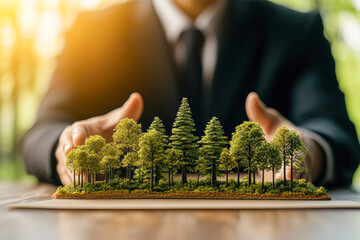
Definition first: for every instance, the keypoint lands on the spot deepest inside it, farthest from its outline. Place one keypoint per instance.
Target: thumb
(132, 108)
(257, 111)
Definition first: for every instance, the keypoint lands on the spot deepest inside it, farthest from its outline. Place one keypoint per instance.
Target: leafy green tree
(151, 151)
(126, 137)
(281, 139)
(247, 137)
(182, 138)
(226, 163)
(172, 161)
(274, 160)
(297, 152)
(267, 157)
(94, 146)
(113, 155)
(212, 144)
(79, 157)
(200, 168)
(130, 161)
(105, 164)
(158, 125)
(71, 163)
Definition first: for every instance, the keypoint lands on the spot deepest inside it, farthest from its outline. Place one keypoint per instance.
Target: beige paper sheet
(160, 204)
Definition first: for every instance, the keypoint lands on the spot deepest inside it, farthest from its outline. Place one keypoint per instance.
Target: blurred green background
(31, 36)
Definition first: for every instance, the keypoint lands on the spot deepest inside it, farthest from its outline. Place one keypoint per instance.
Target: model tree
(247, 137)
(94, 146)
(182, 138)
(79, 157)
(71, 161)
(200, 168)
(172, 161)
(126, 137)
(281, 139)
(297, 152)
(113, 156)
(152, 151)
(212, 144)
(274, 160)
(267, 157)
(158, 125)
(226, 163)
(130, 161)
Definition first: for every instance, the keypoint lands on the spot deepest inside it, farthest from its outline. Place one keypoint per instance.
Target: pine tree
(183, 139)
(226, 163)
(212, 144)
(247, 137)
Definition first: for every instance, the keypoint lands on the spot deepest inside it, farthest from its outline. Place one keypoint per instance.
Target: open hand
(75, 134)
(270, 120)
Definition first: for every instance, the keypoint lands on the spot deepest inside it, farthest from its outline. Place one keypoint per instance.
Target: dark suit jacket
(278, 53)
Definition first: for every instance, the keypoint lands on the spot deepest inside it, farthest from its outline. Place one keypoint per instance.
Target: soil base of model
(187, 195)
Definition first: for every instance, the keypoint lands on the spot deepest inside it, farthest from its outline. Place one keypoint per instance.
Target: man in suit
(218, 53)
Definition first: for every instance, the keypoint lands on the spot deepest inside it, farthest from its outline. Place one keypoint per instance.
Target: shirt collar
(175, 21)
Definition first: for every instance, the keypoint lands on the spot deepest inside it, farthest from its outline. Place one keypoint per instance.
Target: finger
(132, 108)
(66, 142)
(257, 111)
(78, 134)
(64, 177)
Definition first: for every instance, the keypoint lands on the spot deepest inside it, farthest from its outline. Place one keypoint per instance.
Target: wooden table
(169, 225)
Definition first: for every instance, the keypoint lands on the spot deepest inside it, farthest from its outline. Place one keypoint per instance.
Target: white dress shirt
(174, 21)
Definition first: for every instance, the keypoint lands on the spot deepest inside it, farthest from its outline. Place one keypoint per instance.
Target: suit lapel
(238, 52)
(160, 86)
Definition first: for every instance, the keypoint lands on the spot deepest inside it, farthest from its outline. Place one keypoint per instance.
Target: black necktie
(191, 73)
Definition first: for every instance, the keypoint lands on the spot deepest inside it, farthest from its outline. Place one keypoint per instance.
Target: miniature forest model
(144, 165)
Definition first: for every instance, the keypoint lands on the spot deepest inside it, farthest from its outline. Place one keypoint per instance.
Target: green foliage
(126, 135)
(212, 143)
(247, 138)
(182, 138)
(226, 161)
(152, 151)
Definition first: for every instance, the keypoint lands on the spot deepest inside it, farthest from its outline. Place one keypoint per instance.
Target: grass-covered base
(118, 189)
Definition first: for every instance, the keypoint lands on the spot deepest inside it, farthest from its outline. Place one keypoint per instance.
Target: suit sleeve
(318, 105)
(57, 109)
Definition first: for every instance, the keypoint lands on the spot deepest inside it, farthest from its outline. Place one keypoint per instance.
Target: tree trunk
(198, 178)
(74, 178)
(169, 176)
(88, 177)
(79, 178)
(127, 172)
(92, 179)
(82, 179)
(263, 178)
(106, 176)
(249, 174)
(227, 178)
(273, 173)
(213, 172)
(151, 177)
(238, 174)
(157, 175)
(172, 177)
(184, 177)
(284, 160)
(254, 177)
(291, 173)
